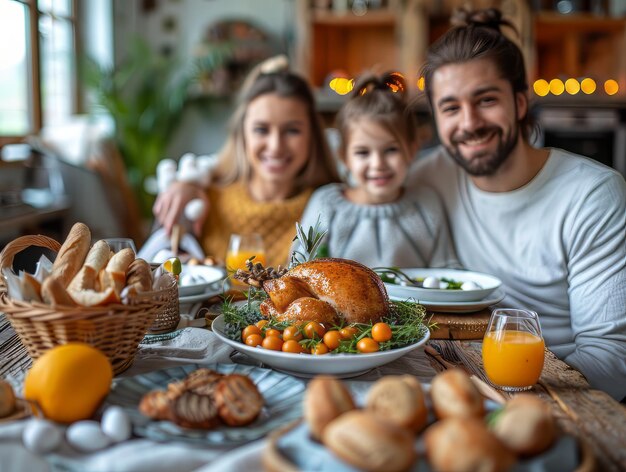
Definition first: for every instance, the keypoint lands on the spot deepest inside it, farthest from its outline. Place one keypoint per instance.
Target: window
(38, 70)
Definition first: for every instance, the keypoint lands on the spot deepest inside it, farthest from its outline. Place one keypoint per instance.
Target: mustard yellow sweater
(233, 211)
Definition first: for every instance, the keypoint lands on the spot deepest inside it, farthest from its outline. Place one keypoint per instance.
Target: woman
(274, 157)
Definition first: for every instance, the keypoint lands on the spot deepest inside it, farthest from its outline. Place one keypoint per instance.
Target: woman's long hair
(233, 164)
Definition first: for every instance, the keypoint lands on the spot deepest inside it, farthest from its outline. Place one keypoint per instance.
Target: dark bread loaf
(191, 410)
(238, 400)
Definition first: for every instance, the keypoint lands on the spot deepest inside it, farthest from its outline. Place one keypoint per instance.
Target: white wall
(200, 133)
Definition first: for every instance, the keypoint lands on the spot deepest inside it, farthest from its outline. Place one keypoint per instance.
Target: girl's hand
(170, 205)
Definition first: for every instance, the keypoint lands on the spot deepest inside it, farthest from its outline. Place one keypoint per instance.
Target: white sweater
(411, 232)
(559, 246)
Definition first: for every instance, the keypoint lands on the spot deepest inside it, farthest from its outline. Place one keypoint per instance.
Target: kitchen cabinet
(387, 35)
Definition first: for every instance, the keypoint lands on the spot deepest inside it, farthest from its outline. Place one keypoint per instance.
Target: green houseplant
(146, 96)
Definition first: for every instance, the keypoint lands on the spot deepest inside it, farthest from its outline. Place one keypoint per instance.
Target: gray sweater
(411, 232)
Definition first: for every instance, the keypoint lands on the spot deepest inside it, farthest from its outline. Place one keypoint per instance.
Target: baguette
(53, 292)
(87, 276)
(114, 275)
(72, 254)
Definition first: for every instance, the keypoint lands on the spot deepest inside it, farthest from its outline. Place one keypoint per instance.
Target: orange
(69, 382)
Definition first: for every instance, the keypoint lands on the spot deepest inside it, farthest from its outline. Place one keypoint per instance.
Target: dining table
(597, 421)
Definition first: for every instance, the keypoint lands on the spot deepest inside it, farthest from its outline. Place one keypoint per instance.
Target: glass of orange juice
(513, 349)
(242, 247)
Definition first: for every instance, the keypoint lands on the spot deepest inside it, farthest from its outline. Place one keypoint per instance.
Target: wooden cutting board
(465, 326)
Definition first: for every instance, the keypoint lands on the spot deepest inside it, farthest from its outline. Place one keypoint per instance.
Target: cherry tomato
(254, 340)
(261, 323)
(248, 330)
(292, 346)
(292, 332)
(366, 345)
(319, 349)
(273, 343)
(273, 332)
(381, 332)
(314, 330)
(348, 332)
(332, 339)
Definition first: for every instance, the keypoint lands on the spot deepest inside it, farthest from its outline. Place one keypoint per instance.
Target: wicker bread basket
(115, 329)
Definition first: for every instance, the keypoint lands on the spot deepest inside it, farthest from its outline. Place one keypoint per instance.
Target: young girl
(377, 220)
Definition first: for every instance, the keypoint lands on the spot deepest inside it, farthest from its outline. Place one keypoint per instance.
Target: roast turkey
(328, 291)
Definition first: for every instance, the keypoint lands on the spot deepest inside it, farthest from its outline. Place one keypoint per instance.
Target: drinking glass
(117, 244)
(513, 349)
(242, 247)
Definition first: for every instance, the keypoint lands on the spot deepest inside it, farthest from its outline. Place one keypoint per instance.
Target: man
(550, 224)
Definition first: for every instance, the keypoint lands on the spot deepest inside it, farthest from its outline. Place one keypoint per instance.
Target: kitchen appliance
(598, 133)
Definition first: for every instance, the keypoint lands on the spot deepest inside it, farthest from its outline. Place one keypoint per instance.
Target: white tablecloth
(193, 345)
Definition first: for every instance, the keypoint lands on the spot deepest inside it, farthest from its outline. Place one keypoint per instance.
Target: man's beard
(484, 164)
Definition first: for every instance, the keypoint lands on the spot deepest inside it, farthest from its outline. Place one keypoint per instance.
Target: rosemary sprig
(310, 243)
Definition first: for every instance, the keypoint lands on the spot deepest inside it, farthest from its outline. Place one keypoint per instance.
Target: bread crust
(72, 254)
(399, 400)
(53, 292)
(365, 441)
(238, 400)
(464, 444)
(325, 399)
(96, 260)
(454, 394)
(114, 274)
(526, 425)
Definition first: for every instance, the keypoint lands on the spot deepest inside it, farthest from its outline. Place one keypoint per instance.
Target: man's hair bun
(487, 18)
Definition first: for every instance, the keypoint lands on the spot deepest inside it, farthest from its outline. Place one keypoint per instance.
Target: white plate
(457, 307)
(306, 365)
(488, 284)
(282, 394)
(211, 277)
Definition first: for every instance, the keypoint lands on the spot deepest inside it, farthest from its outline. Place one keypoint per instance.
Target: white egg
(431, 282)
(443, 285)
(470, 286)
(87, 436)
(41, 436)
(116, 424)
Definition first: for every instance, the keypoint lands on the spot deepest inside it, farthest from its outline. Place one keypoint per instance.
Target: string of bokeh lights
(541, 87)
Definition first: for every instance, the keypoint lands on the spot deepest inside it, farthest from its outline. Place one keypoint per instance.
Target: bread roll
(324, 400)
(72, 254)
(399, 400)
(454, 394)
(95, 261)
(114, 275)
(525, 425)
(465, 445)
(53, 292)
(366, 442)
(139, 276)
